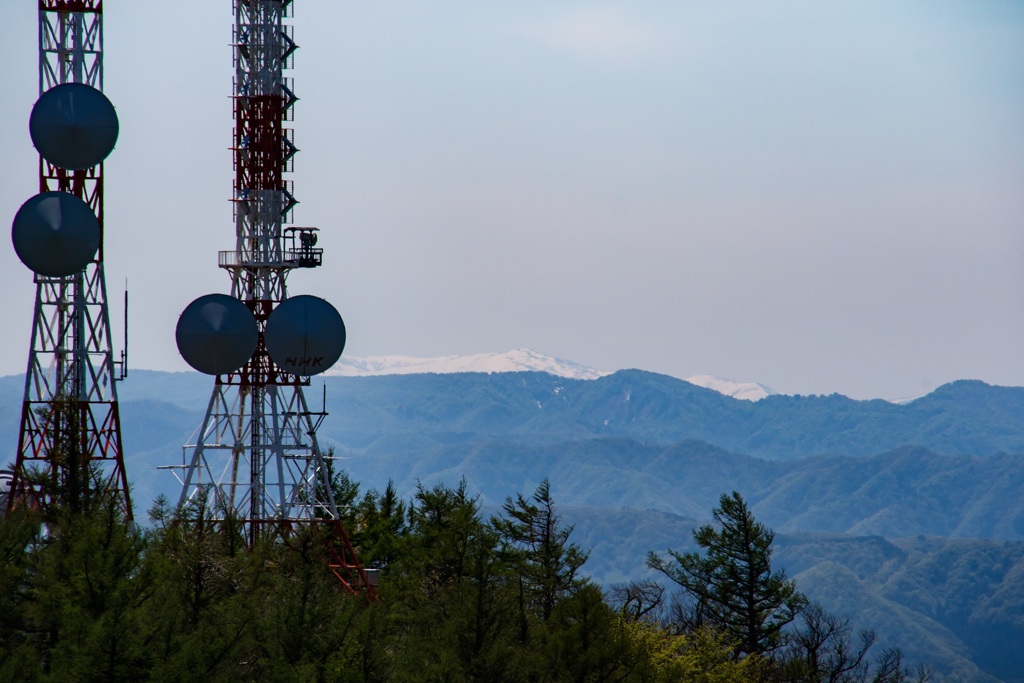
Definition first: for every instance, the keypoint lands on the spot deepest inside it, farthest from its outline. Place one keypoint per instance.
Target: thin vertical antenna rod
(122, 365)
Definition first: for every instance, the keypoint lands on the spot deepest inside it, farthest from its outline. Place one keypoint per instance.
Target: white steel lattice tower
(255, 459)
(70, 432)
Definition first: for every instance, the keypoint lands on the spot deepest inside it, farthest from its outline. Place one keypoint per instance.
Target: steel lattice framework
(255, 457)
(70, 401)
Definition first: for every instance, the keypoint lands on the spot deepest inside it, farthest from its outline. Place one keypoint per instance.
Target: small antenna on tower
(122, 373)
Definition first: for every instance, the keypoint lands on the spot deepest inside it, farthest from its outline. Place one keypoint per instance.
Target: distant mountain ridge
(424, 426)
(418, 411)
(962, 418)
(745, 391)
(517, 360)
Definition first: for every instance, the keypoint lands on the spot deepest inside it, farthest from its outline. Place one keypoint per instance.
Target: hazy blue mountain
(12, 388)
(637, 439)
(904, 492)
(963, 418)
(956, 604)
(640, 440)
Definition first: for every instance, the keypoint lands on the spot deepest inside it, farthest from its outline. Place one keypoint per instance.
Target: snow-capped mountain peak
(518, 360)
(747, 391)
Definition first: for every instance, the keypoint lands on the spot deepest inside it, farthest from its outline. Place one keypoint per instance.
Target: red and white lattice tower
(70, 401)
(255, 458)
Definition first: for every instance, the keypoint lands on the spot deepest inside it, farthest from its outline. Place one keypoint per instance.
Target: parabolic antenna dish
(305, 335)
(55, 234)
(73, 125)
(216, 334)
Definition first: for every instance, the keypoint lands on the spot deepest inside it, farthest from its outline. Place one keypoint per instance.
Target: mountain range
(517, 360)
(907, 517)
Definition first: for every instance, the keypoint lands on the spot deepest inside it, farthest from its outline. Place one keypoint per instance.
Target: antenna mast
(255, 459)
(70, 432)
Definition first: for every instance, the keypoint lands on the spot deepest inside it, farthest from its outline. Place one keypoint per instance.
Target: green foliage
(585, 639)
(381, 528)
(732, 584)
(89, 597)
(447, 592)
(662, 652)
(78, 590)
(538, 547)
(18, 536)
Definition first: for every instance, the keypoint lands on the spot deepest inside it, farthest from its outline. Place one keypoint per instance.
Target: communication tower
(255, 459)
(69, 442)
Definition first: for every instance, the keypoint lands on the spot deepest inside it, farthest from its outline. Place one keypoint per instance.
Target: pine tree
(447, 591)
(382, 526)
(79, 616)
(732, 585)
(539, 545)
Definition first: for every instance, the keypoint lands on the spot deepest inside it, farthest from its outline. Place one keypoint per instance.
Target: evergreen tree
(203, 580)
(732, 585)
(448, 591)
(381, 528)
(585, 640)
(19, 537)
(539, 547)
(77, 615)
(442, 525)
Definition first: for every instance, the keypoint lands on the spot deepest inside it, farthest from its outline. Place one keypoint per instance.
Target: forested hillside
(969, 418)
(905, 492)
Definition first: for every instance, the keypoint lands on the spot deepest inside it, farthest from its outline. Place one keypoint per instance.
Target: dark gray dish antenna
(55, 234)
(216, 334)
(73, 125)
(305, 335)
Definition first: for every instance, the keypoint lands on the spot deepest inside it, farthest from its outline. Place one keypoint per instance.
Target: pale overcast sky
(820, 196)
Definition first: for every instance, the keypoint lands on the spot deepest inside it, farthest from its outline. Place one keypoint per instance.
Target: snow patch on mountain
(518, 360)
(746, 391)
